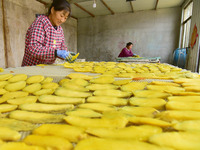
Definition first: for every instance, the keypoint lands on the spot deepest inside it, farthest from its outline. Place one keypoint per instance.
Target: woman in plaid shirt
(45, 37)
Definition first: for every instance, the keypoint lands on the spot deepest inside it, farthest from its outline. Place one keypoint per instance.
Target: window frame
(183, 23)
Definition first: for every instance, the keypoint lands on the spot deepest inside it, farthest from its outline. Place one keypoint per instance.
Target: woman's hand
(64, 54)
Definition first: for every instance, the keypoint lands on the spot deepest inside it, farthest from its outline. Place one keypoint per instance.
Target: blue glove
(64, 54)
(134, 54)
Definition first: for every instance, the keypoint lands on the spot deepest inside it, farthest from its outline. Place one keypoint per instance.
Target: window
(185, 25)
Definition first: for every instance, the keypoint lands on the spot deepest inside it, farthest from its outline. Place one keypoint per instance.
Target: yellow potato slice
(52, 108)
(3, 84)
(84, 113)
(80, 82)
(184, 98)
(15, 94)
(171, 115)
(183, 80)
(94, 87)
(33, 88)
(120, 122)
(52, 142)
(164, 83)
(63, 80)
(51, 85)
(165, 88)
(139, 111)
(74, 57)
(1, 142)
(4, 77)
(12, 87)
(134, 86)
(103, 80)
(19, 146)
(190, 84)
(114, 144)
(71, 133)
(10, 95)
(141, 133)
(3, 91)
(177, 140)
(183, 93)
(44, 92)
(114, 114)
(52, 99)
(35, 79)
(75, 87)
(71, 93)
(189, 125)
(8, 134)
(97, 107)
(179, 105)
(35, 117)
(16, 124)
(193, 88)
(150, 94)
(79, 76)
(7, 108)
(47, 80)
(122, 82)
(18, 77)
(149, 121)
(113, 93)
(156, 103)
(22, 100)
(107, 100)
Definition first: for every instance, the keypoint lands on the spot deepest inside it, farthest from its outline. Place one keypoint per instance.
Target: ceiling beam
(112, 12)
(156, 4)
(42, 2)
(84, 9)
(132, 7)
(74, 17)
(78, 1)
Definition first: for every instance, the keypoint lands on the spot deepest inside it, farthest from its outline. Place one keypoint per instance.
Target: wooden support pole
(84, 9)
(156, 4)
(132, 7)
(112, 12)
(4, 35)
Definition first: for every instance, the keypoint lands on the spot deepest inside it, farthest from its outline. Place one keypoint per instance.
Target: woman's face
(130, 46)
(58, 17)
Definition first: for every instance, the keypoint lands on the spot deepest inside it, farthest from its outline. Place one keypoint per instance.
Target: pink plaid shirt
(42, 39)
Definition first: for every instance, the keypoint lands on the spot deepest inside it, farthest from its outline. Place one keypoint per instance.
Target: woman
(126, 52)
(45, 37)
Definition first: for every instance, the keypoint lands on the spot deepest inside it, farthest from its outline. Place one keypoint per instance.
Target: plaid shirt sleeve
(36, 44)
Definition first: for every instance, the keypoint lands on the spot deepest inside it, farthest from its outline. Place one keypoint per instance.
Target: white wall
(194, 53)
(70, 31)
(153, 33)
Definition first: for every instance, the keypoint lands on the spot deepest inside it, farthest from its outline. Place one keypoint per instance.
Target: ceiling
(84, 8)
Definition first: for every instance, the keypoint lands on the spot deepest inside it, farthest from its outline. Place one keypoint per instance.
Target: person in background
(126, 52)
(45, 38)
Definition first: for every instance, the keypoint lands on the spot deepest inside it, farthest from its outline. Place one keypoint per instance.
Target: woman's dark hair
(60, 5)
(128, 44)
